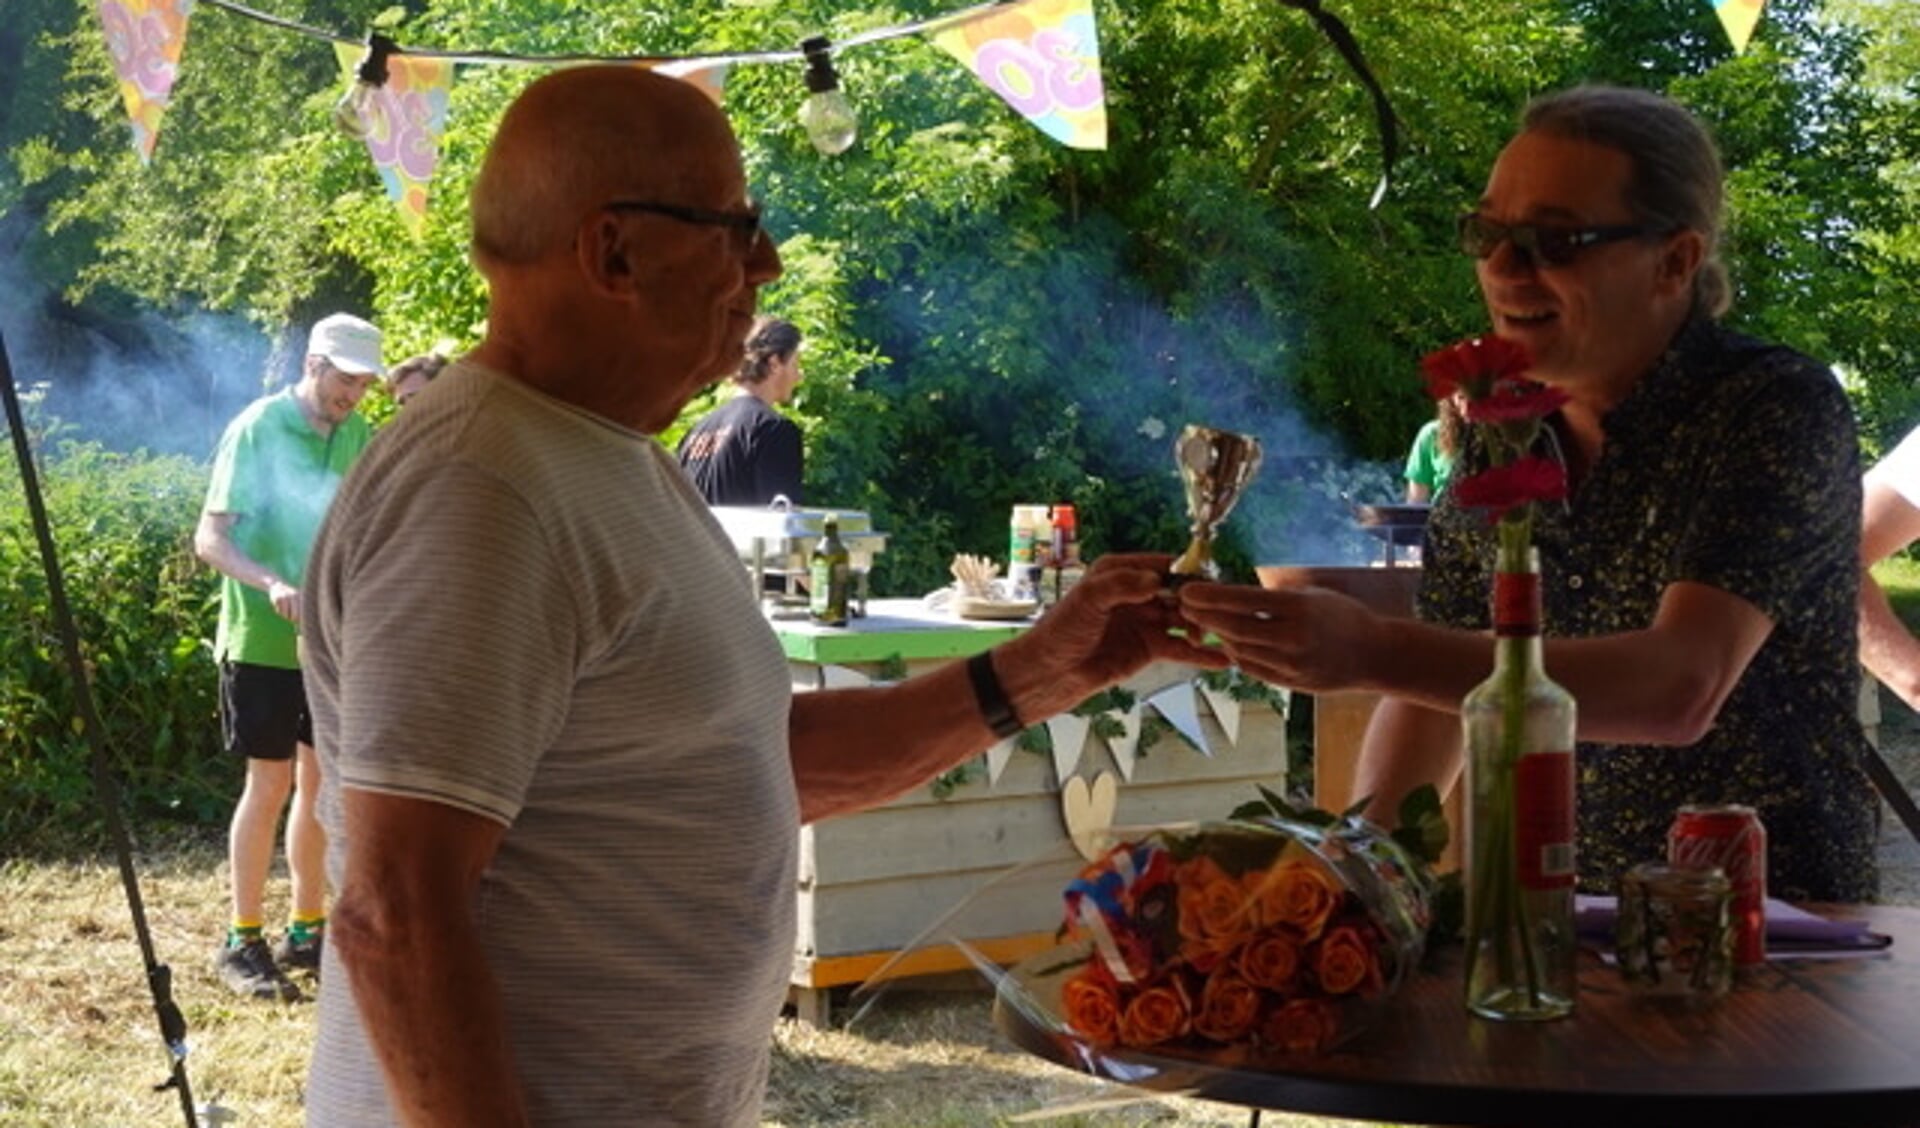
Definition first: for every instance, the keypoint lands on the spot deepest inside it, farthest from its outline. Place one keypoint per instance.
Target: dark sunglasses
(744, 225)
(1539, 243)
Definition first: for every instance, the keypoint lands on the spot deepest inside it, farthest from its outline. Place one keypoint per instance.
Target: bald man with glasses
(564, 767)
(1699, 582)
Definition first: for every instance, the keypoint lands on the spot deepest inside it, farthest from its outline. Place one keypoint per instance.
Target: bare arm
(1419, 491)
(1661, 685)
(1888, 523)
(213, 543)
(1406, 745)
(854, 748)
(403, 930)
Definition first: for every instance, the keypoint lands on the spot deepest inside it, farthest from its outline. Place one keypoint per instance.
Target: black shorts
(263, 711)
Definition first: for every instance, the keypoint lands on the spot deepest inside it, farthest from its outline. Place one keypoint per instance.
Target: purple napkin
(1790, 930)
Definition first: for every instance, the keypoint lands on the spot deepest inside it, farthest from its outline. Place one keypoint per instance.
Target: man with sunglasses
(564, 766)
(276, 469)
(1699, 582)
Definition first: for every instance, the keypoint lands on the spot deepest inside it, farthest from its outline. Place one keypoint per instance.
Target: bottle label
(1516, 604)
(1543, 798)
(819, 588)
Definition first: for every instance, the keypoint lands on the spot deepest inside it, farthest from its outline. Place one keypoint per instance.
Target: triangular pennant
(1043, 58)
(1739, 17)
(1068, 732)
(1123, 747)
(842, 677)
(708, 76)
(145, 38)
(1177, 705)
(1226, 710)
(403, 119)
(997, 758)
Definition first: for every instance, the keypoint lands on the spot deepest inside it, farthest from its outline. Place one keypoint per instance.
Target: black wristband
(991, 696)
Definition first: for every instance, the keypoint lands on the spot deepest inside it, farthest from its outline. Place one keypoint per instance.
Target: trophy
(1216, 467)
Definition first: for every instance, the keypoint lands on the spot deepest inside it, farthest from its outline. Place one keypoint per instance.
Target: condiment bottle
(830, 575)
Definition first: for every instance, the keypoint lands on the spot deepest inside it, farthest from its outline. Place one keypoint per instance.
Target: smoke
(143, 381)
(1131, 367)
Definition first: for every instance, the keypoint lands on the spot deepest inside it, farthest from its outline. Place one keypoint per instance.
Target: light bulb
(826, 114)
(349, 113)
(829, 122)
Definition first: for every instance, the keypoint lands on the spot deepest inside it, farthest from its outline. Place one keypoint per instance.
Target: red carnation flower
(1473, 366)
(1523, 480)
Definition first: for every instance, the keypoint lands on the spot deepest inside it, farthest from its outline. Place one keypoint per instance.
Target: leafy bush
(144, 607)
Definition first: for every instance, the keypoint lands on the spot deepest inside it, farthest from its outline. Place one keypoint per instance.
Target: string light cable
(816, 53)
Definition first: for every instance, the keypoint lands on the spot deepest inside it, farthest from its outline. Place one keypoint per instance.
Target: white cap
(348, 343)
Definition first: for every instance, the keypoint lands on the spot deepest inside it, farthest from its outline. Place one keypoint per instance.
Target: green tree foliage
(994, 318)
(141, 603)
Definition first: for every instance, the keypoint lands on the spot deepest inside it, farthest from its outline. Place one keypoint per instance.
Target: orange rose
(1157, 1014)
(1297, 893)
(1211, 903)
(1228, 1007)
(1271, 960)
(1303, 1026)
(1092, 1003)
(1345, 961)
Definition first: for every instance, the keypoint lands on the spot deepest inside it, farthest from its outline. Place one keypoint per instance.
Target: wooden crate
(873, 883)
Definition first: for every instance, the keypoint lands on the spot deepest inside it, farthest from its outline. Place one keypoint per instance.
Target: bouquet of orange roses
(1253, 938)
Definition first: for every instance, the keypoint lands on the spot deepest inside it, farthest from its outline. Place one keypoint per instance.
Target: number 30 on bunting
(1043, 58)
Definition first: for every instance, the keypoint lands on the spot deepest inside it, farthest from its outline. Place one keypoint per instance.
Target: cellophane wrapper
(1231, 942)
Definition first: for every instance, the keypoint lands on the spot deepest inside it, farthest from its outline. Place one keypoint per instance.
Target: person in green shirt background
(276, 470)
(1430, 462)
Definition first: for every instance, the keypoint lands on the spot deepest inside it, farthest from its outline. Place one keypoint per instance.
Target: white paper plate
(968, 607)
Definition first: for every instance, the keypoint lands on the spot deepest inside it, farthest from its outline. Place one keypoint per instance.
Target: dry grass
(80, 1047)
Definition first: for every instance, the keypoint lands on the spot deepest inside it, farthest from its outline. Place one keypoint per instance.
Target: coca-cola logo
(1735, 854)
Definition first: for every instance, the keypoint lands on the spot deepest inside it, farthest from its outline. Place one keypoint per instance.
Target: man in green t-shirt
(276, 470)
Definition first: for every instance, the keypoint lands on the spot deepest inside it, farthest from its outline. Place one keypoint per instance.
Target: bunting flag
(145, 38)
(1068, 732)
(1176, 703)
(1043, 57)
(1125, 747)
(997, 758)
(1739, 17)
(403, 120)
(709, 78)
(1226, 710)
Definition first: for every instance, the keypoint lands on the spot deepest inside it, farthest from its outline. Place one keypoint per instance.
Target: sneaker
(249, 970)
(302, 954)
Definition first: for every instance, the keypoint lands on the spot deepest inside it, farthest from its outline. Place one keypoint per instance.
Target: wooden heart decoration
(1088, 812)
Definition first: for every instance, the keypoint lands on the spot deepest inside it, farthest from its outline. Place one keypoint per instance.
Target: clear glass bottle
(1520, 804)
(830, 575)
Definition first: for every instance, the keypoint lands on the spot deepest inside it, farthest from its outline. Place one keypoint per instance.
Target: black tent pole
(173, 1025)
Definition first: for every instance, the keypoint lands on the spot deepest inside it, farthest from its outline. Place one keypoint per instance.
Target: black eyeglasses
(1545, 243)
(744, 225)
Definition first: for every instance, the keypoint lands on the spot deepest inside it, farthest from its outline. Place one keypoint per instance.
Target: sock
(304, 928)
(243, 932)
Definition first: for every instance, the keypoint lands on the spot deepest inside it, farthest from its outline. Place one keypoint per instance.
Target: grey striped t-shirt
(521, 610)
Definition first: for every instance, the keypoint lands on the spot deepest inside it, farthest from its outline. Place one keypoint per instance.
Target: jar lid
(1679, 879)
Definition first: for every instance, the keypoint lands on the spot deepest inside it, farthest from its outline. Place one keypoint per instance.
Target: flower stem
(1516, 537)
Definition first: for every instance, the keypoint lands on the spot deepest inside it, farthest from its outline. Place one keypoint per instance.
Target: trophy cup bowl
(1216, 467)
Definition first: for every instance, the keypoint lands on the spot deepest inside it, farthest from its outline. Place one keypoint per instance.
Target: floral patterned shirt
(1732, 464)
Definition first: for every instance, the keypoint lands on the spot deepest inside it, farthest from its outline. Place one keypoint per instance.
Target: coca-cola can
(1729, 836)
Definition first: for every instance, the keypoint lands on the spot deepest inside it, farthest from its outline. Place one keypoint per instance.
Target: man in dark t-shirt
(744, 452)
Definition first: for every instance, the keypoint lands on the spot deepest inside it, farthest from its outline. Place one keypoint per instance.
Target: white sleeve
(1900, 470)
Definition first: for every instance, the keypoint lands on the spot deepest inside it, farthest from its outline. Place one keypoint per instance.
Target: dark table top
(1802, 1043)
